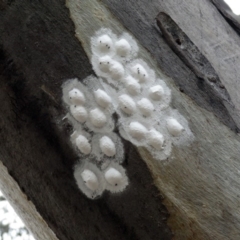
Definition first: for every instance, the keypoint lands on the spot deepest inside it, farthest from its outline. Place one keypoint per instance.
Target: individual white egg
(107, 146)
(127, 104)
(104, 44)
(145, 106)
(123, 48)
(116, 178)
(137, 130)
(174, 127)
(83, 145)
(76, 97)
(90, 179)
(105, 64)
(155, 139)
(113, 176)
(116, 70)
(132, 85)
(98, 118)
(102, 98)
(79, 113)
(139, 72)
(156, 92)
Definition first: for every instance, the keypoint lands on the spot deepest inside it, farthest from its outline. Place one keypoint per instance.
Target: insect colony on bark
(125, 85)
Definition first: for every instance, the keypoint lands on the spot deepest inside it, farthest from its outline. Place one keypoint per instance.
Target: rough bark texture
(200, 183)
(38, 53)
(24, 207)
(232, 19)
(197, 21)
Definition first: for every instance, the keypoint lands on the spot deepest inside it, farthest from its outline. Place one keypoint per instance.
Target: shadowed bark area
(38, 53)
(231, 18)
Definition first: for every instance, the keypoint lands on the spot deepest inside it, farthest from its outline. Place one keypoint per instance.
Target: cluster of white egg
(92, 181)
(129, 87)
(100, 149)
(140, 99)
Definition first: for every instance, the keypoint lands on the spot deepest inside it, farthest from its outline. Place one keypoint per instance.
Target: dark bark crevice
(208, 82)
(226, 12)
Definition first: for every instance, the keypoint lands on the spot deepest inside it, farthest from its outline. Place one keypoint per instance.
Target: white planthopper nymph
(102, 98)
(76, 97)
(83, 144)
(155, 139)
(104, 44)
(79, 113)
(174, 127)
(123, 48)
(132, 85)
(116, 70)
(116, 179)
(137, 131)
(156, 92)
(145, 106)
(90, 180)
(105, 63)
(107, 146)
(127, 104)
(139, 72)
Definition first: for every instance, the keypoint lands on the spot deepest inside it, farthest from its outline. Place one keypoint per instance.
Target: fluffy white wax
(98, 118)
(145, 106)
(156, 92)
(104, 44)
(102, 98)
(155, 139)
(76, 97)
(139, 72)
(116, 70)
(113, 177)
(79, 113)
(105, 64)
(83, 145)
(123, 48)
(132, 85)
(174, 127)
(90, 179)
(137, 130)
(107, 146)
(127, 104)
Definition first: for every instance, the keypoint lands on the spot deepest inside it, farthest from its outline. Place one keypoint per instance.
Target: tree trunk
(194, 194)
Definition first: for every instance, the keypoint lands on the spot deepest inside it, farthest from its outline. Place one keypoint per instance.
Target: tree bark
(192, 195)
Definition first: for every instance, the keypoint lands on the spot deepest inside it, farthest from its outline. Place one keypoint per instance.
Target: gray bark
(192, 195)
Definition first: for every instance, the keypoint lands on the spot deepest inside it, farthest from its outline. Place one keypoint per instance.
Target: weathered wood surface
(200, 183)
(24, 207)
(208, 82)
